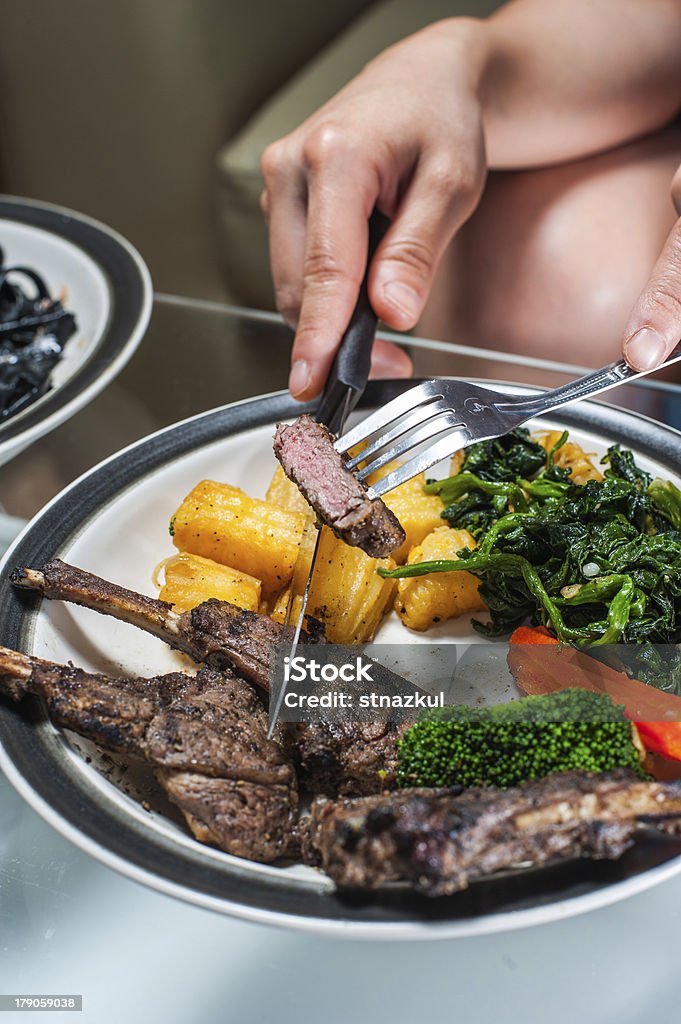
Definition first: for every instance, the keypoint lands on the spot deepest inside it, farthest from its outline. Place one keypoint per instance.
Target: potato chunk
(221, 522)
(190, 580)
(571, 455)
(347, 594)
(424, 600)
(283, 493)
(458, 459)
(278, 612)
(419, 513)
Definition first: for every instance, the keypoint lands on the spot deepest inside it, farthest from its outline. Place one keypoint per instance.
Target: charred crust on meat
(439, 840)
(205, 737)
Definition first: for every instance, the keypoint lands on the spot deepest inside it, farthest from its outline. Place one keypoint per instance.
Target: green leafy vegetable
(505, 458)
(598, 563)
(666, 498)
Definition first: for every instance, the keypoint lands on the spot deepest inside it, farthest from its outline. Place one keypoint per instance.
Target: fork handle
(594, 383)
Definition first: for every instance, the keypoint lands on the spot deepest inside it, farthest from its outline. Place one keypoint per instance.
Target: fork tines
(412, 419)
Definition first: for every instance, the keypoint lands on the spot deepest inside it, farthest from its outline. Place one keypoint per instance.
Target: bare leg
(553, 259)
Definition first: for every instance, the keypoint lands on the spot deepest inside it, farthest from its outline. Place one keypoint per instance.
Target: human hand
(654, 326)
(405, 135)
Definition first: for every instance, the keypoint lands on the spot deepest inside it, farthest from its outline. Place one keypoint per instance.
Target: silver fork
(463, 414)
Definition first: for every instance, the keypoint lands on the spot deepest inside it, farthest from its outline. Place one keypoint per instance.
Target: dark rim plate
(130, 300)
(39, 763)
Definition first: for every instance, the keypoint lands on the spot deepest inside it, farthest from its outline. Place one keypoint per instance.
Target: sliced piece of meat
(205, 736)
(307, 455)
(440, 840)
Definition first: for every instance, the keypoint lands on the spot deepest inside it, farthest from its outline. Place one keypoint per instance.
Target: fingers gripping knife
(344, 388)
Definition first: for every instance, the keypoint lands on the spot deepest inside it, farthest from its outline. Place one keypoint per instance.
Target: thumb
(654, 326)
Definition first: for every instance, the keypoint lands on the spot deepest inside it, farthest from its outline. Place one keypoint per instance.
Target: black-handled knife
(344, 388)
(350, 370)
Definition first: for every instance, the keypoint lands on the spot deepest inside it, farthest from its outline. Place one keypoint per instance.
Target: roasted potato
(347, 594)
(221, 522)
(424, 600)
(457, 462)
(191, 579)
(283, 493)
(570, 455)
(278, 612)
(418, 512)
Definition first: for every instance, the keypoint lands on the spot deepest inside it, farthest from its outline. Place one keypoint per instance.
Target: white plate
(108, 289)
(114, 522)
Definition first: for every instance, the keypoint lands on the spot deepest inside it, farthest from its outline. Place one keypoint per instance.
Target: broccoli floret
(507, 744)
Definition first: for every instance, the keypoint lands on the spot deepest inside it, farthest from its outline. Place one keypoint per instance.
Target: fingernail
(403, 298)
(299, 378)
(645, 350)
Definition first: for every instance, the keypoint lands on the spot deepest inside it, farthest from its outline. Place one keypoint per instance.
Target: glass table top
(70, 925)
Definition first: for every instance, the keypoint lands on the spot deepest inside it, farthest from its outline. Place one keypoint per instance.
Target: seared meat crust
(246, 819)
(346, 757)
(216, 633)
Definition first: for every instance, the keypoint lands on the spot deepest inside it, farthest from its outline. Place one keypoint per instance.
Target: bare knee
(553, 259)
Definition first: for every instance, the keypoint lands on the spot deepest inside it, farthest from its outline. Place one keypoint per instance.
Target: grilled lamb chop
(215, 633)
(335, 757)
(307, 455)
(345, 758)
(440, 840)
(205, 735)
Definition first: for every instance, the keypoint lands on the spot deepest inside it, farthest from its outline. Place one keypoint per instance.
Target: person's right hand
(405, 135)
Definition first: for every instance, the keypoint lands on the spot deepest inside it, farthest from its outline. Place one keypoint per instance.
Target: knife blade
(344, 388)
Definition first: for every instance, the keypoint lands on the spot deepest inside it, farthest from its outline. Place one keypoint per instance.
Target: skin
(553, 259)
(437, 131)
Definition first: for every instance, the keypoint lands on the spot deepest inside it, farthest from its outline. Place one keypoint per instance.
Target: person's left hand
(654, 326)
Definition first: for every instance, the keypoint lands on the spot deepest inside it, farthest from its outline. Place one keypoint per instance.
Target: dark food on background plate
(34, 329)
(307, 455)
(205, 736)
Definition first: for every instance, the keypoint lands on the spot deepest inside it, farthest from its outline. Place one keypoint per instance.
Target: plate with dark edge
(114, 521)
(108, 289)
